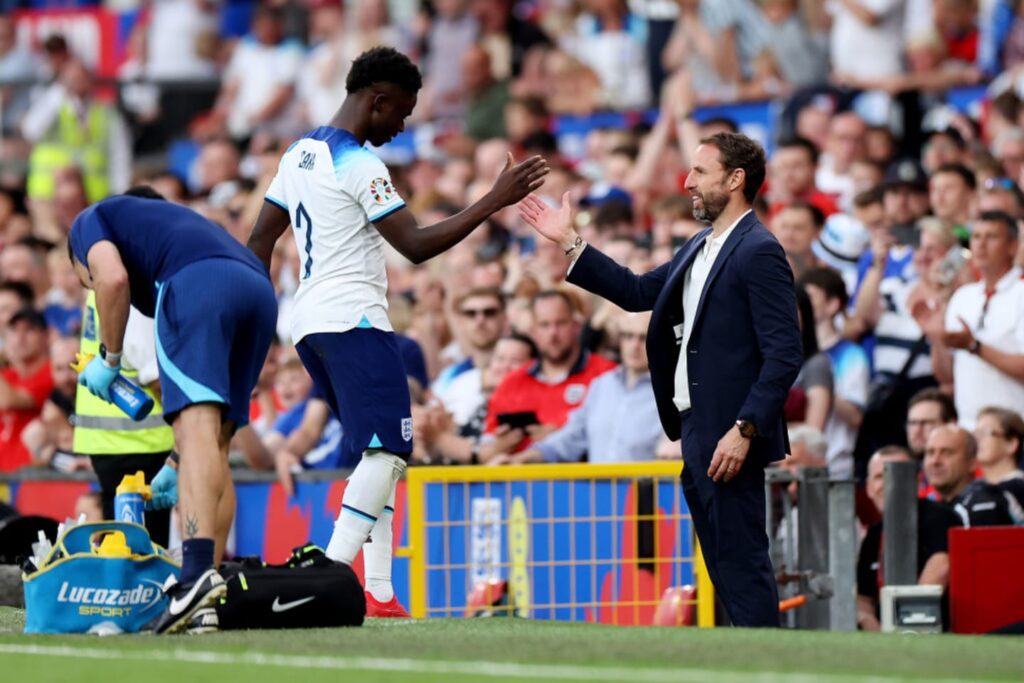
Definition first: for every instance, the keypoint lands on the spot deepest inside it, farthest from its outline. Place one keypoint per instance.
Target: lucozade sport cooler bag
(77, 588)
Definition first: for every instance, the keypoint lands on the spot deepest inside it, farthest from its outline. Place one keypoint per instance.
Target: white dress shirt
(976, 383)
(693, 287)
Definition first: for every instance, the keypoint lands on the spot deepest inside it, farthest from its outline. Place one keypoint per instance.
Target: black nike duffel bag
(307, 591)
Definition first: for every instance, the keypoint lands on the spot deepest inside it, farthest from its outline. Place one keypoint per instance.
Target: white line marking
(562, 672)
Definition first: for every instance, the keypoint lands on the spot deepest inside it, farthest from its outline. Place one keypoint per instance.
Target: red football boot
(391, 609)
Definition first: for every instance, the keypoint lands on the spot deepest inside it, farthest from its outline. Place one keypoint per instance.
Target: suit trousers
(729, 518)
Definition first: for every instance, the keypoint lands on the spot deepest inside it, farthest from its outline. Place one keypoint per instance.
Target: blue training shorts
(215, 320)
(361, 375)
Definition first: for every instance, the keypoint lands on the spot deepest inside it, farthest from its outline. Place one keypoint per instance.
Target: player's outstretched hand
(554, 224)
(518, 180)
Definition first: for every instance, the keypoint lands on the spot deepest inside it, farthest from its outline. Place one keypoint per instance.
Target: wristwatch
(974, 347)
(109, 357)
(747, 429)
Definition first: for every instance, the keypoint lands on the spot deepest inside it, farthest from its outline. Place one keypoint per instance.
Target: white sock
(377, 554)
(367, 492)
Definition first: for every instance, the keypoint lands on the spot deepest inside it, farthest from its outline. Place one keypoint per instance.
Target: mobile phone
(951, 264)
(520, 420)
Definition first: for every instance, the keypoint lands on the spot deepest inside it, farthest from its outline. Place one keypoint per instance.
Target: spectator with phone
(618, 421)
(443, 439)
(557, 382)
(906, 318)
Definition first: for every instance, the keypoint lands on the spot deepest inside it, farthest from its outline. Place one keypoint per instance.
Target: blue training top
(156, 239)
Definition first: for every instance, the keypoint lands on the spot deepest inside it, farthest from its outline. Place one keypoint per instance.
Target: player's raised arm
(419, 244)
(271, 223)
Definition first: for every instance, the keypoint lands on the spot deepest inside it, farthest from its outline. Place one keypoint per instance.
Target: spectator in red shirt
(797, 227)
(791, 177)
(557, 383)
(25, 384)
(957, 21)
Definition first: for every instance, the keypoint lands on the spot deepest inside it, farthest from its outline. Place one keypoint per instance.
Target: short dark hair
(817, 215)
(492, 292)
(724, 121)
(808, 331)
(1002, 217)
(540, 141)
(554, 294)
(144, 192)
(875, 195)
(383, 65)
(22, 290)
(611, 213)
(29, 315)
(523, 339)
(801, 143)
(828, 281)
(966, 174)
(933, 395)
(738, 151)
(1011, 423)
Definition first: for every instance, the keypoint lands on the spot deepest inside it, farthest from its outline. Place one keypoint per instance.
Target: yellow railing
(513, 520)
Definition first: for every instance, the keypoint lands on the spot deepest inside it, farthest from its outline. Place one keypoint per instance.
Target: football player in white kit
(339, 200)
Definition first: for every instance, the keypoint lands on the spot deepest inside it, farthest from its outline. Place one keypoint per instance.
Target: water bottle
(130, 498)
(126, 395)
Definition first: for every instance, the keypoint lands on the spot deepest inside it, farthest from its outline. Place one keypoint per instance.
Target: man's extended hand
(729, 455)
(554, 224)
(517, 181)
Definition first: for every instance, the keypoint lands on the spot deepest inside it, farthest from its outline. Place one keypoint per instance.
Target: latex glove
(98, 376)
(165, 489)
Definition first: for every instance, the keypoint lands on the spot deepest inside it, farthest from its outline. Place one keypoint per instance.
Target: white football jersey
(334, 190)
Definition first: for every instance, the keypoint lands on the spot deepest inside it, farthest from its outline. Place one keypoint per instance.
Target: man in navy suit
(724, 349)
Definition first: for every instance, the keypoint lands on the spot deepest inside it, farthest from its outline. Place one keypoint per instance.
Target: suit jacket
(744, 350)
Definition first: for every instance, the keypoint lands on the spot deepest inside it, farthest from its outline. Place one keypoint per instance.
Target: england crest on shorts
(407, 428)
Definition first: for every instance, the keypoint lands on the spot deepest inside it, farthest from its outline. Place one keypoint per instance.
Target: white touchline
(565, 672)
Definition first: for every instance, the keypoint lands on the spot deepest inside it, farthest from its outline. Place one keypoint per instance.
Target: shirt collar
(642, 378)
(577, 368)
(1006, 281)
(717, 242)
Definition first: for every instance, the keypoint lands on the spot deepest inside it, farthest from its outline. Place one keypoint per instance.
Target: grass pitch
(506, 650)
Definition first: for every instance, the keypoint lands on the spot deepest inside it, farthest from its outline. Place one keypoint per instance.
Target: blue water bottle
(131, 398)
(128, 396)
(130, 499)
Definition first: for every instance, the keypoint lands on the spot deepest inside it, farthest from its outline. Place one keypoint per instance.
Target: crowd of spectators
(900, 215)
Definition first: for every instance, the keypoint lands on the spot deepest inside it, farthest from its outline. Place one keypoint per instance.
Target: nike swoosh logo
(279, 606)
(178, 605)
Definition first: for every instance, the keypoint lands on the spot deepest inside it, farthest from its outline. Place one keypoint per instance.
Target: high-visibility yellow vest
(73, 142)
(100, 427)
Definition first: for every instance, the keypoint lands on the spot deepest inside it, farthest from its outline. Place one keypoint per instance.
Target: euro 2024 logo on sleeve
(381, 190)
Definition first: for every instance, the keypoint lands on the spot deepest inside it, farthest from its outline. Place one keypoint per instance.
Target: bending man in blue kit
(215, 313)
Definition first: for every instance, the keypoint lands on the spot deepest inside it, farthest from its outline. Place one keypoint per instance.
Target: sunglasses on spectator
(480, 312)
